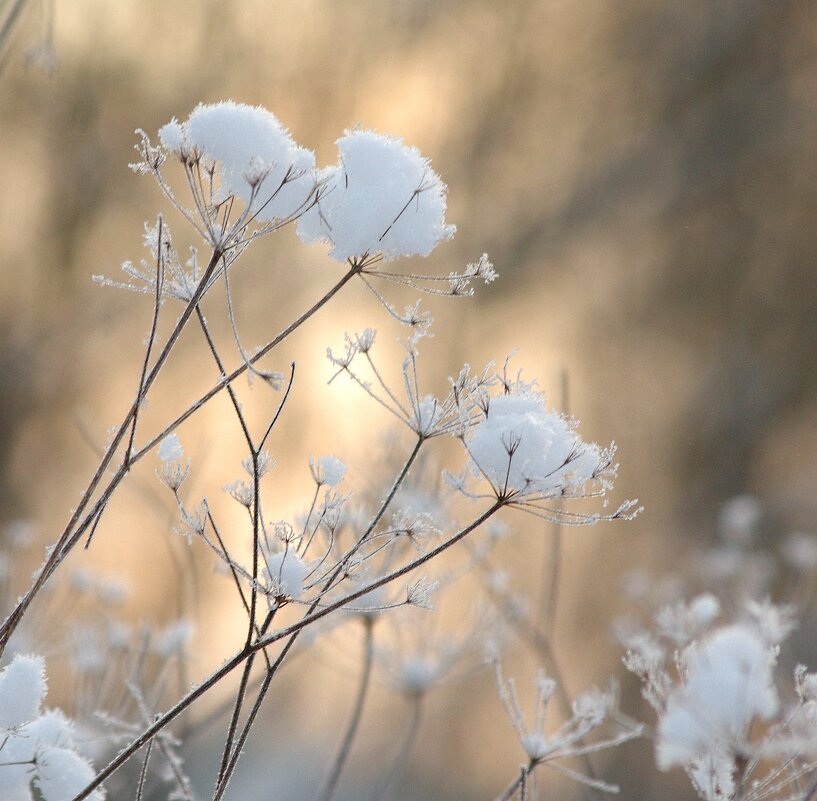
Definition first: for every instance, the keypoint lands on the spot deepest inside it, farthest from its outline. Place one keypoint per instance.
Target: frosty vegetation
(723, 709)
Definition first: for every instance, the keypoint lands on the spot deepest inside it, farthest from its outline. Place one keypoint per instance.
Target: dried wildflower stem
(71, 534)
(257, 356)
(341, 757)
(516, 785)
(404, 749)
(230, 767)
(78, 525)
(401, 477)
(254, 454)
(157, 305)
(239, 701)
(140, 787)
(230, 391)
(253, 713)
(239, 658)
(542, 645)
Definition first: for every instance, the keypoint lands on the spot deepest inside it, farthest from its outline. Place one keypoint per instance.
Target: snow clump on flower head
(523, 448)
(37, 747)
(728, 683)
(381, 197)
(257, 159)
(287, 573)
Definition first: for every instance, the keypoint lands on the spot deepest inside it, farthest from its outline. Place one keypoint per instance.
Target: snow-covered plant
(346, 559)
(565, 743)
(727, 710)
(38, 748)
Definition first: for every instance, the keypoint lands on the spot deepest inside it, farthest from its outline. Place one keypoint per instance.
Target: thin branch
(357, 712)
(238, 659)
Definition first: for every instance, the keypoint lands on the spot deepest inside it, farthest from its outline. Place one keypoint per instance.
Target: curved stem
(77, 525)
(357, 712)
(404, 750)
(69, 537)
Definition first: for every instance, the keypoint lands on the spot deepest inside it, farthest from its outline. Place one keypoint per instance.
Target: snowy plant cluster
(373, 560)
(731, 707)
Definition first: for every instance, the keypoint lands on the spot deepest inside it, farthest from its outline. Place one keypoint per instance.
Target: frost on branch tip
(382, 197)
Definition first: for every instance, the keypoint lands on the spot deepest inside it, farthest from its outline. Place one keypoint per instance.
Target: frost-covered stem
(71, 534)
(517, 784)
(162, 721)
(248, 723)
(143, 773)
(401, 477)
(388, 578)
(229, 560)
(256, 525)
(67, 539)
(231, 664)
(535, 639)
(404, 749)
(543, 646)
(230, 391)
(280, 408)
(257, 356)
(157, 305)
(293, 632)
(251, 610)
(239, 701)
(231, 730)
(345, 748)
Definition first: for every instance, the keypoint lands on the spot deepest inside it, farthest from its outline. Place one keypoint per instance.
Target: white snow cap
(170, 449)
(37, 748)
(249, 145)
(22, 689)
(328, 470)
(729, 683)
(287, 573)
(523, 447)
(381, 197)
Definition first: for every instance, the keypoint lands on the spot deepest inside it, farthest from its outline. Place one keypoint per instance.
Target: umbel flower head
(526, 450)
(382, 197)
(256, 158)
(729, 683)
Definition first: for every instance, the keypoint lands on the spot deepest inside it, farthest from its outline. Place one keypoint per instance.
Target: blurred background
(643, 174)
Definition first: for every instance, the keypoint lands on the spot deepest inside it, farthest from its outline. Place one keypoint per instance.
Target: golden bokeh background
(642, 173)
